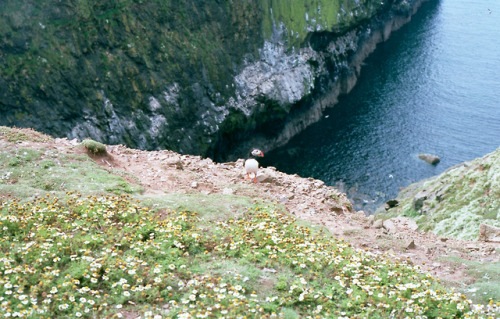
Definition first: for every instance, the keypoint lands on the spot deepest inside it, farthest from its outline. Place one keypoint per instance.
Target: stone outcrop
(430, 158)
(190, 76)
(489, 233)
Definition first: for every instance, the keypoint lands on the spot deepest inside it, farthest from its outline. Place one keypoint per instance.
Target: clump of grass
(109, 256)
(95, 148)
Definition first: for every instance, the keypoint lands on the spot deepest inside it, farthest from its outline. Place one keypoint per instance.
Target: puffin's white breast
(251, 165)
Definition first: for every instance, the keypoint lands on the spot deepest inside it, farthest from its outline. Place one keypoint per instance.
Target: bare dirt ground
(164, 172)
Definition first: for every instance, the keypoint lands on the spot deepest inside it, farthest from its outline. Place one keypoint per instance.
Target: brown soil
(162, 172)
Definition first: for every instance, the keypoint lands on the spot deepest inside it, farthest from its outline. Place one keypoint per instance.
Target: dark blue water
(433, 87)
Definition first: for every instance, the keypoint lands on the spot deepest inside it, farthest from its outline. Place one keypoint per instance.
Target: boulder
(489, 233)
(429, 158)
(418, 200)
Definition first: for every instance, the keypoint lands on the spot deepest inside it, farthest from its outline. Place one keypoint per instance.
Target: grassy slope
(89, 252)
(458, 200)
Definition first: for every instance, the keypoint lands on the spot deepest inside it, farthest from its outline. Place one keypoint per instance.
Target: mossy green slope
(88, 61)
(301, 18)
(26, 172)
(458, 200)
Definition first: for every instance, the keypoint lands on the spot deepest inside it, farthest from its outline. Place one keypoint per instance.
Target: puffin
(251, 164)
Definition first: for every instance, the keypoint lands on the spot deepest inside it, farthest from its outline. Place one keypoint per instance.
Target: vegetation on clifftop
(298, 19)
(87, 253)
(109, 256)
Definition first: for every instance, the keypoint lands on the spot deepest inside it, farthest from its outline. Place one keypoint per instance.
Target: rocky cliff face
(208, 78)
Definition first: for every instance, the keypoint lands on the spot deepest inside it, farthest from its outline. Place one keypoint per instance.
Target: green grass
(109, 256)
(25, 173)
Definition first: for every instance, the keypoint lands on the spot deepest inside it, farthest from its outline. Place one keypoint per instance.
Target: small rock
(405, 222)
(240, 163)
(283, 199)
(379, 223)
(429, 158)
(319, 183)
(360, 215)
(228, 191)
(472, 247)
(411, 245)
(174, 162)
(443, 239)
(489, 233)
(194, 184)
(389, 225)
(269, 270)
(264, 178)
(371, 219)
(418, 200)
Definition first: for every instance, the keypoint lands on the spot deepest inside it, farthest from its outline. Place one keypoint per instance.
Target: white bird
(251, 164)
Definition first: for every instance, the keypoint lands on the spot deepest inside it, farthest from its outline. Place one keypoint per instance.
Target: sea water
(433, 87)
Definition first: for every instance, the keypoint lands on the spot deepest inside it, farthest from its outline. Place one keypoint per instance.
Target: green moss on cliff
(60, 53)
(299, 18)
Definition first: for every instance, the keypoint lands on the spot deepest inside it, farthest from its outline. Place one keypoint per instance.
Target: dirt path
(166, 172)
